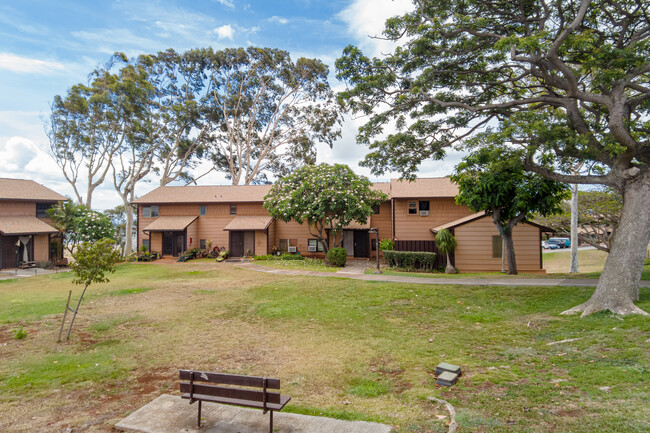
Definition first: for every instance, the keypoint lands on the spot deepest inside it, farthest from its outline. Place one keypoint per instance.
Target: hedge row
(411, 260)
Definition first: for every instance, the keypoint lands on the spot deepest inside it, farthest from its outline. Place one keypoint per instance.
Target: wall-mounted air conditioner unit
(424, 213)
(292, 249)
(311, 249)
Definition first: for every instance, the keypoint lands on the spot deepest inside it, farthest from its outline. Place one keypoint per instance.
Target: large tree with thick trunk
(567, 81)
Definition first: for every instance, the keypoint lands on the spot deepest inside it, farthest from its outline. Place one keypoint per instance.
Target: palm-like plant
(446, 243)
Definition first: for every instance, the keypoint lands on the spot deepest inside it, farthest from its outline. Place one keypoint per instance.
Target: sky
(48, 46)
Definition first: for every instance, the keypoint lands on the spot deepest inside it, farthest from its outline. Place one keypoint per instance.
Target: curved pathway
(571, 282)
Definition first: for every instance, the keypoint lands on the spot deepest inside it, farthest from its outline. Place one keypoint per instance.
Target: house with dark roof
(25, 231)
(173, 219)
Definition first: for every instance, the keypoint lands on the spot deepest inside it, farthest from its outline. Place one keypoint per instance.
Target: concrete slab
(172, 414)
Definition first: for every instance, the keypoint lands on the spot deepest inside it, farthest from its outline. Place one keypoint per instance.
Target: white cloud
(227, 3)
(16, 63)
(224, 32)
(366, 18)
(277, 19)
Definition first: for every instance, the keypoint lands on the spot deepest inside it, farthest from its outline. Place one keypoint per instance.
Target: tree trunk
(449, 269)
(510, 252)
(618, 287)
(573, 264)
(128, 229)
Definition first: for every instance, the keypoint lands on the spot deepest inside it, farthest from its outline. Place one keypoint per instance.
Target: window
(424, 205)
(41, 208)
(203, 244)
(497, 247)
(376, 208)
(284, 245)
(233, 209)
(315, 243)
(413, 208)
(150, 212)
(373, 244)
(203, 210)
(145, 243)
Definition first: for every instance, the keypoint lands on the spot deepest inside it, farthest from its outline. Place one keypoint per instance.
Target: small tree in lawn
(493, 179)
(446, 243)
(92, 261)
(326, 197)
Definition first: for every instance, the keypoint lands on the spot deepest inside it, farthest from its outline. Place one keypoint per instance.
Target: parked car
(563, 242)
(550, 245)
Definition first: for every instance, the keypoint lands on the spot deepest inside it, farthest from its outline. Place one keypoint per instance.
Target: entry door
(348, 242)
(236, 244)
(179, 243)
(361, 241)
(168, 244)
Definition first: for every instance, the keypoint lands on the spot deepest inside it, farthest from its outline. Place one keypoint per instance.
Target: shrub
(336, 257)
(20, 333)
(264, 257)
(290, 257)
(410, 260)
(386, 244)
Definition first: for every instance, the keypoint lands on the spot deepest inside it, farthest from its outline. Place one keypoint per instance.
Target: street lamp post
(375, 230)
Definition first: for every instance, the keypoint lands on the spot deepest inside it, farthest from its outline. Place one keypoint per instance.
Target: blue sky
(48, 46)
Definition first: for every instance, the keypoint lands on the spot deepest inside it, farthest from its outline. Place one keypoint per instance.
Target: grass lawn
(303, 265)
(343, 348)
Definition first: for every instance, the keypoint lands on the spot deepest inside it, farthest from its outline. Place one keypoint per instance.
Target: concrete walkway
(505, 281)
(355, 267)
(8, 274)
(172, 414)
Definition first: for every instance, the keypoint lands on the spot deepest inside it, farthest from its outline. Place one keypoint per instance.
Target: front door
(361, 241)
(168, 244)
(173, 243)
(236, 244)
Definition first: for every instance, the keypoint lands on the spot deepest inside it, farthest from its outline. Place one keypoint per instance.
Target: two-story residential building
(172, 219)
(25, 231)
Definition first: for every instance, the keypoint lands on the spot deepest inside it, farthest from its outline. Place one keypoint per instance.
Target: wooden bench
(208, 386)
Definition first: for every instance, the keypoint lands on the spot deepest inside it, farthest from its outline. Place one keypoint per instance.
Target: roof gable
(25, 189)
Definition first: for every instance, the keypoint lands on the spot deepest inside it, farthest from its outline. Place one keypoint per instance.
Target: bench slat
(236, 402)
(230, 379)
(236, 393)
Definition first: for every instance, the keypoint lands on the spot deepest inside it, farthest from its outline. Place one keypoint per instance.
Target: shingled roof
(423, 187)
(24, 189)
(206, 194)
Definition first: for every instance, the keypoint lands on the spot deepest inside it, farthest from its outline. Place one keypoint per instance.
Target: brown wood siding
(474, 250)
(192, 239)
(260, 243)
(293, 230)
(18, 208)
(41, 248)
(416, 227)
(383, 221)
(156, 241)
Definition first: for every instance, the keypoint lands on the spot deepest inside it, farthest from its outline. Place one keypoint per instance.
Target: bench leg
(271, 423)
(198, 421)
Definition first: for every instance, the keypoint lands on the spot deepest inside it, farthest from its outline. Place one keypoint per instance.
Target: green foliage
(20, 333)
(445, 241)
(325, 197)
(410, 260)
(92, 261)
(492, 179)
(336, 257)
(386, 244)
(263, 257)
(80, 224)
(289, 257)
